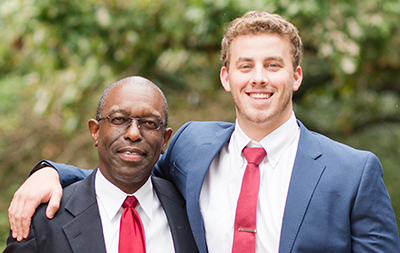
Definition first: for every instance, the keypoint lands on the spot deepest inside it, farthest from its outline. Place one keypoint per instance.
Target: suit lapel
(84, 232)
(175, 209)
(305, 177)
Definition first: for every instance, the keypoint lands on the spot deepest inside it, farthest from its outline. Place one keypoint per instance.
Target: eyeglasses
(150, 123)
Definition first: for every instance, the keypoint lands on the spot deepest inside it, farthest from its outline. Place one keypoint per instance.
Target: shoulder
(68, 193)
(331, 151)
(195, 133)
(78, 192)
(206, 126)
(335, 147)
(167, 189)
(203, 129)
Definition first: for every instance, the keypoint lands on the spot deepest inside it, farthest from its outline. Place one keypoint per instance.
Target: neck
(258, 131)
(126, 184)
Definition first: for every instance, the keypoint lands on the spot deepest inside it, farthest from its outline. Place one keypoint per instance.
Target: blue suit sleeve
(373, 222)
(68, 173)
(164, 165)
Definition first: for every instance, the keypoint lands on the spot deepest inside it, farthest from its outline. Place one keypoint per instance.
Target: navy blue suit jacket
(337, 200)
(77, 227)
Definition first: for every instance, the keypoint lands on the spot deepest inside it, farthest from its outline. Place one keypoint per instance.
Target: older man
(130, 132)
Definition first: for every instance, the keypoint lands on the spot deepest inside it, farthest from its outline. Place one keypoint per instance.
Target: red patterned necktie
(244, 237)
(131, 231)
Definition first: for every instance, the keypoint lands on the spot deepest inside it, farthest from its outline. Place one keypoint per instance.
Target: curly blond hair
(256, 23)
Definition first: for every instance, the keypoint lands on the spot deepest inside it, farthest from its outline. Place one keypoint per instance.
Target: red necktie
(131, 231)
(244, 237)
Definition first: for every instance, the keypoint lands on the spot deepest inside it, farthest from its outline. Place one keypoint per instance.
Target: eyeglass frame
(130, 122)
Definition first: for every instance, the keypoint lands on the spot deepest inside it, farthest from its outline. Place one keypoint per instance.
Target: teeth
(260, 95)
(131, 153)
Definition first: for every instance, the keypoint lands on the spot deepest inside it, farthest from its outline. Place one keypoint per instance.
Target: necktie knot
(130, 201)
(254, 155)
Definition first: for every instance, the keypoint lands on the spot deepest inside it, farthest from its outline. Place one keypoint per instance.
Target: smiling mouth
(260, 95)
(131, 156)
(130, 153)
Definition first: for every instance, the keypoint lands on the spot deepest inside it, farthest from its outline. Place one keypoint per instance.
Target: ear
(94, 130)
(298, 78)
(224, 77)
(167, 136)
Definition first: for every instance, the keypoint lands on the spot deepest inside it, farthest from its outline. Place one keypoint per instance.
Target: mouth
(259, 95)
(131, 154)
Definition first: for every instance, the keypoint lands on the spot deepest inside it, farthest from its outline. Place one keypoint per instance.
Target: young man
(314, 194)
(130, 132)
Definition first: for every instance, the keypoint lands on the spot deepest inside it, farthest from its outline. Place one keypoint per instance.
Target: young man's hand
(41, 187)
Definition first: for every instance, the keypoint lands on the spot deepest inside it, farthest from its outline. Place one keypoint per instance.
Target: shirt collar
(112, 197)
(275, 143)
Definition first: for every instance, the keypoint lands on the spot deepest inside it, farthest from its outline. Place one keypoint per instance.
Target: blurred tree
(56, 57)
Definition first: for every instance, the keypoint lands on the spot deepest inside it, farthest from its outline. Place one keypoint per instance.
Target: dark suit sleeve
(68, 173)
(373, 223)
(27, 245)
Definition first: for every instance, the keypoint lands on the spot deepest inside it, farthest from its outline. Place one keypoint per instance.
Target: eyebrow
(276, 58)
(270, 58)
(242, 59)
(122, 111)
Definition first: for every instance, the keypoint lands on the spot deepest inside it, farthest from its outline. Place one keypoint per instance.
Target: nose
(133, 132)
(259, 76)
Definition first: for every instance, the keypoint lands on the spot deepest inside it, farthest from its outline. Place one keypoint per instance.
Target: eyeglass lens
(146, 123)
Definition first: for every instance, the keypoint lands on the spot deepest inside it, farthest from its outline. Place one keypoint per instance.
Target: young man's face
(262, 80)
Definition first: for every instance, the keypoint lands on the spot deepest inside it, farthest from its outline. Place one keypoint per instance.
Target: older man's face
(127, 154)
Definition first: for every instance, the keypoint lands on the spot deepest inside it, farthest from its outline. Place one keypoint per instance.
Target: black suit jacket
(77, 226)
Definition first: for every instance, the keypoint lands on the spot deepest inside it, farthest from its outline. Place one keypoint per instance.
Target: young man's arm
(42, 186)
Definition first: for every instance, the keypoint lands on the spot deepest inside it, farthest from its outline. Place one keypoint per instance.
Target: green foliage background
(56, 57)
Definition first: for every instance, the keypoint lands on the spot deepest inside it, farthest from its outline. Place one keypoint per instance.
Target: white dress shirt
(221, 187)
(155, 223)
